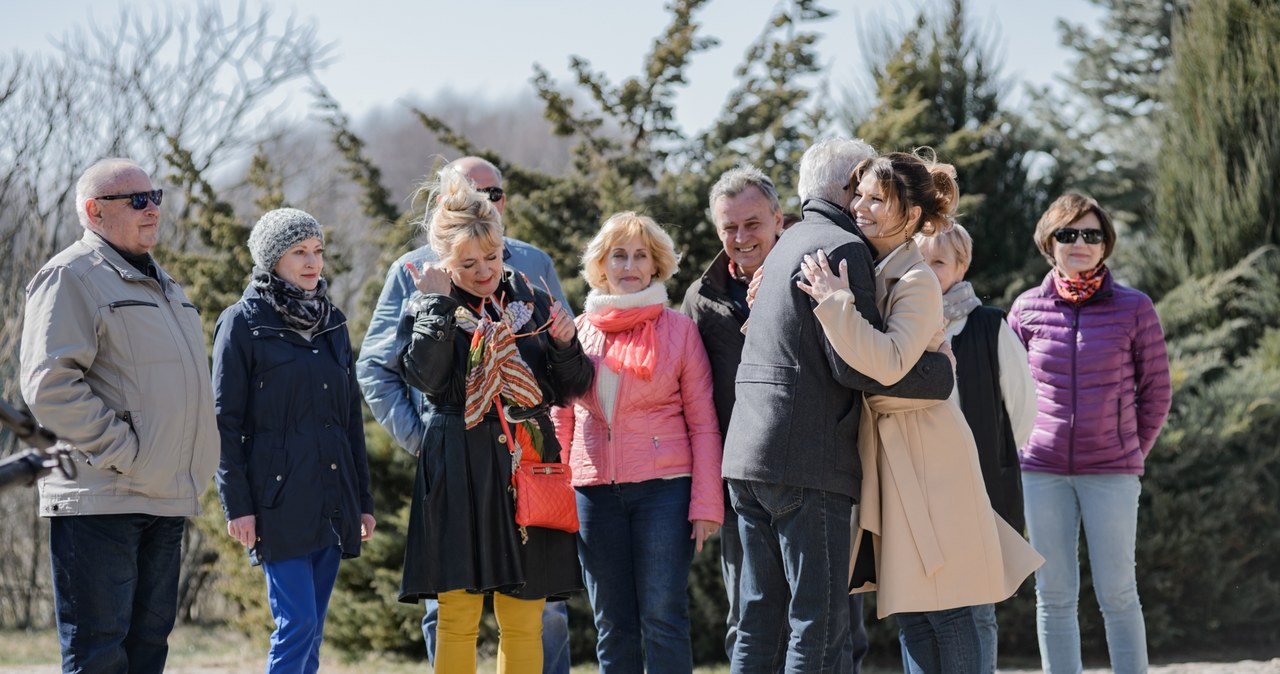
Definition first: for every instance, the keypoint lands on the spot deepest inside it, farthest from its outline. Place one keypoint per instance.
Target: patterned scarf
(629, 323)
(303, 310)
(494, 365)
(959, 301)
(1078, 290)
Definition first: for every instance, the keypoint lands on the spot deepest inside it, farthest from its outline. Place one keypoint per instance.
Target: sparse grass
(194, 649)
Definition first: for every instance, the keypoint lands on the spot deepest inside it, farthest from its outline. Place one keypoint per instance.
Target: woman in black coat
(463, 541)
(293, 478)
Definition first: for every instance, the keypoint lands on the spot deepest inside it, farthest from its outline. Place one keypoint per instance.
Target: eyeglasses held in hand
(1067, 236)
(495, 193)
(137, 200)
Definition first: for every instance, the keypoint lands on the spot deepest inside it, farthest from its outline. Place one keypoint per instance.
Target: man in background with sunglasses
(113, 361)
(399, 407)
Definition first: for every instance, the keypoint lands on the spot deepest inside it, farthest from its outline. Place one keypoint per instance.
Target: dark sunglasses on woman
(137, 200)
(1066, 235)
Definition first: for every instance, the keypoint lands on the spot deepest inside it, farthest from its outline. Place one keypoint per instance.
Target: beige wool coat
(937, 542)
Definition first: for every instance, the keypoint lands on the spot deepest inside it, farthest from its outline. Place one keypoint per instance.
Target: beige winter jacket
(937, 542)
(115, 363)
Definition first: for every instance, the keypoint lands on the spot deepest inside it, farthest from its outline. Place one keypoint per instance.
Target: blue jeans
(984, 618)
(115, 590)
(298, 591)
(940, 642)
(555, 635)
(635, 547)
(730, 568)
(795, 573)
(1107, 506)
(859, 644)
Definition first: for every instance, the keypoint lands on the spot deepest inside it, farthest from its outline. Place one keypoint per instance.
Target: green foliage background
(1169, 117)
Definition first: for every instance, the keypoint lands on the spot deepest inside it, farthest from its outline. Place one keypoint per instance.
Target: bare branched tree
(188, 93)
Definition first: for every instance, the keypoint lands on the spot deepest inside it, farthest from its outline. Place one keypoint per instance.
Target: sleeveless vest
(978, 380)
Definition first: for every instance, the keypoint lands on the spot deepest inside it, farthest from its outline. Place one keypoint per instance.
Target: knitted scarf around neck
(303, 310)
(629, 323)
(1078, 290)
(959, 301)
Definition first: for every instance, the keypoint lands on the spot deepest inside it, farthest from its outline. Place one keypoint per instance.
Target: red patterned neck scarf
(1078, 290)
(494, 365)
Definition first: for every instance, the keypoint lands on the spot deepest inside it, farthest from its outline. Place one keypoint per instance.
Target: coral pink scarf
(630, 340)
(629, 323)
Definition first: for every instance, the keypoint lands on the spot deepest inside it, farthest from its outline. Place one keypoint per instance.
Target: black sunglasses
(137, 200)
(1066, 235)
(495, 193)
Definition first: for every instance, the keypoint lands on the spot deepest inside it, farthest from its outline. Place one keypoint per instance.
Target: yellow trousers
(519, 630)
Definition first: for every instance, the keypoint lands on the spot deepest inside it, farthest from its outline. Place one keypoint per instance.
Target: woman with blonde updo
(937, 547)
(463, 540)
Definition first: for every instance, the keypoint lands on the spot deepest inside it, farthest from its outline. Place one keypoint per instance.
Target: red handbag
(543, 492)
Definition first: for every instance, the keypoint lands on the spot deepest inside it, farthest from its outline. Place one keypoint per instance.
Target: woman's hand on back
(823, 281)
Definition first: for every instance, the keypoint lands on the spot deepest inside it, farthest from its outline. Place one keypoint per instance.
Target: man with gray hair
(791, 456)
(113, 360)
(400, 408)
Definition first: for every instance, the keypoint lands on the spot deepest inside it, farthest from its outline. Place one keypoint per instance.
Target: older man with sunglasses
(113, 360)
(399, 407)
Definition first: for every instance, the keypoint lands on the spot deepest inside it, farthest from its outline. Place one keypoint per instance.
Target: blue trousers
(795, 578)
(298, 590)
(635, 547)
(115, 590)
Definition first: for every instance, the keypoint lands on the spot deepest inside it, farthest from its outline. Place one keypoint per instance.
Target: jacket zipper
(1075, 388)
(613, 454)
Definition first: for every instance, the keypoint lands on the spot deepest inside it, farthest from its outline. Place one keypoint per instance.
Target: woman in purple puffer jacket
(1102, 377)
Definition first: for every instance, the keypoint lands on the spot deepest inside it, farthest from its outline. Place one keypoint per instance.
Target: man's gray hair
(99, 177)
(737, 180)
(826, 167)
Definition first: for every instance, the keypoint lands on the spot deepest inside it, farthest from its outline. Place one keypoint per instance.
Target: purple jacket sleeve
(1151, 376)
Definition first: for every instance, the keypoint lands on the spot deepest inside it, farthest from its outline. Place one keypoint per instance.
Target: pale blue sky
(389, 50)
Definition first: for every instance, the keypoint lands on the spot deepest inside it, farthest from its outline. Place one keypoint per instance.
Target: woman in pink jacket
(644, 448)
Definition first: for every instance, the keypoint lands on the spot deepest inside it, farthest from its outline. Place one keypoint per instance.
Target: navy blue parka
(293, 450)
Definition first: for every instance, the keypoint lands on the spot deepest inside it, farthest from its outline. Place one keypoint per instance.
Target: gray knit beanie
(279, 230)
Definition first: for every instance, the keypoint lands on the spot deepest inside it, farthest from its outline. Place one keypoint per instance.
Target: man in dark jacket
(790, 456)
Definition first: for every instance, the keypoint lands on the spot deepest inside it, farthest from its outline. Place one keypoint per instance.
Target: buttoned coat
(937, 542)
(293, 451)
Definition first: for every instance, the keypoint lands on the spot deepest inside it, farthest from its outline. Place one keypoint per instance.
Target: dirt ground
(197, 651)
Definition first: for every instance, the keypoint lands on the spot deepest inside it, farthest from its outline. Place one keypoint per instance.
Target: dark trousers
(115, 590)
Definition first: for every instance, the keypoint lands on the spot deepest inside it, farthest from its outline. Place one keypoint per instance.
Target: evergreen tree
(631, 156)
(1215, 185)
(1101, 129)
(939, 86)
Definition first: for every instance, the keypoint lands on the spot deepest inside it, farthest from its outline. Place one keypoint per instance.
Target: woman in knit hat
(294, 480)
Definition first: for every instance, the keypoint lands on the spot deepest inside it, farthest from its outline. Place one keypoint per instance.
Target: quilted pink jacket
(663, 427)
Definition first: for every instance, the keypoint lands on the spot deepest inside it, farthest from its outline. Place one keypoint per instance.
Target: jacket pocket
(766, 395)
(126, 459)
(671, 451)
(270, 480)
